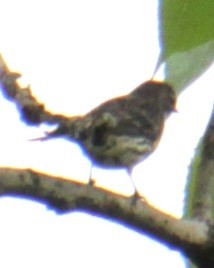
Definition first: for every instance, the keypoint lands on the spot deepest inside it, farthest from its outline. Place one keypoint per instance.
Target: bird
(123, 131)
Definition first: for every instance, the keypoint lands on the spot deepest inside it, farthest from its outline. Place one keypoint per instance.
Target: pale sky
(76, 54)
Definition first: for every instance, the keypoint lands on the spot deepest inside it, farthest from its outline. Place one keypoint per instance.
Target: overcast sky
(76, 54)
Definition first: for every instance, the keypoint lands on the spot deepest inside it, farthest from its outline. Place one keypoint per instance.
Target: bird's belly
(119, 152)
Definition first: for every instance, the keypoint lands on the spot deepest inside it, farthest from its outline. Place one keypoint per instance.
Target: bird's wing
(121, 116)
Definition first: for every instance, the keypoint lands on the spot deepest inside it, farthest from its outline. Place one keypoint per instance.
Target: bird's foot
(137, 196)
(91, 182)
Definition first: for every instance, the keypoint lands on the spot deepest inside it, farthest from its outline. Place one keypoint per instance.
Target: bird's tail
(64, 129)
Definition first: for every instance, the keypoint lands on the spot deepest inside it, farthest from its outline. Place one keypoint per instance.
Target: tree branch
(65, 195)
(201, 206)
(31, 111)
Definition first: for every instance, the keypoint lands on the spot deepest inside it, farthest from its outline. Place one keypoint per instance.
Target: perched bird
(123, 131)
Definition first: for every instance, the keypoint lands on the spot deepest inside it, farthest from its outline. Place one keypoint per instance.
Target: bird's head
(157, 94)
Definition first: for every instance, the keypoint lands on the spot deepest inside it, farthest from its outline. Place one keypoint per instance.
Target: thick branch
(65, 195)
(203, 177)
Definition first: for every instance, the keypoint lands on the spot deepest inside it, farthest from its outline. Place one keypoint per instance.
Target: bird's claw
(137, 196)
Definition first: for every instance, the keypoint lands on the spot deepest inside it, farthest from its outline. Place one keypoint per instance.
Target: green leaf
(187, 39)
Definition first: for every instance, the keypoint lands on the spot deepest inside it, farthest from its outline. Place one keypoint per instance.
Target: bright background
(76, 54)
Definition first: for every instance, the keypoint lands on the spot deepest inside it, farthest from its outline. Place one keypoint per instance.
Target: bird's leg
(136, 194)
(91, 181)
